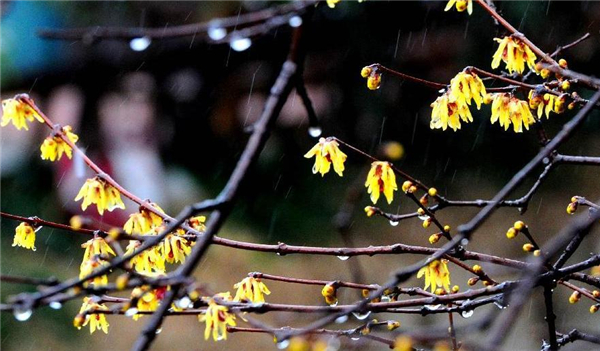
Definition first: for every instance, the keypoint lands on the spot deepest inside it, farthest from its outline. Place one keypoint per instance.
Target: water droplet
(257, 304)
(140, 44)
(342, 319)
(343, 258)
(158, 330)
(546, 160)
(315, 132)
(240, 44)
(355, 339)
(433, 307)
(360, 316)
(184, 302)
(467, 314)
(464, 242)
(423, 217)
(131, 312)
(216, 33)
(55, 305)
(37, 229)
(220, 337)
(334, 304)
(295, 21)
(22, 314)
(393, 223)
(283, 344)
(499, 305)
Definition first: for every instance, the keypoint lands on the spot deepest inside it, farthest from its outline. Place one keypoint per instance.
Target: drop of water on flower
(315, 132)
(140, 44)
(295, 21)
(393, 223)
(37, 229)
(283, 344)
(184, 302)
(21, 314)
(55, 305)
(355, 339)
(423, 217)
(467, 314)
(464, 242)
(240, 44)
(158, 330)
(360, 316)
(216, 33)
(221, 337)
(343, 258)
(131, 312)
(342, 319)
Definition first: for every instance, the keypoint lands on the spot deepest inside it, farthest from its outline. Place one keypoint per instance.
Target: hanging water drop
(140, 44)
(295, 22)
(394, 223)
(22, 314)
(334, 304)
(184, 302)
(55, 305)
(282, 345)
(216, 33)
(360, 316)
(464, 242)
(467, 314)
(158, 330)
(240, 44)
(343, 258)
(131, 312)
(433, 307)
(423, 217)
(37, 229)
(354, 338)
(342, 319)
(315, 132)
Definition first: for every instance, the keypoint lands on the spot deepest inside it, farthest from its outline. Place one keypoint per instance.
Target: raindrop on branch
(394, 223)
(315, 132)
(464, 242)
(158, 330)
(423, 217)
(467, 314)
(184, 302)
(240, 44)
(295, 21)
(140, 44)
(360, 316)
(131, 312)
(55, 305)
(343, 258)
(342, 319)
(22, 314)
(355, 338)
(283, 344)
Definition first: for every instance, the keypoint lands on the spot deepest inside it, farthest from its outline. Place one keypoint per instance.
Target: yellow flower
(19, 113)
(94, 247)
(251, 290)
(447, 111)
(147, 300)
(99, 192)
(137, 224)
(175, 248)
(381, 179)
(461, 5)
(508, 109)
(332, 3)
(24, 236)
(197, 223)
(97, 321)
(546, 103)
(327, 152)
(515, 54)
(466, 87)
(88, 267)
(436, 274)
(53, 147)
(148, 261)
(217, 318)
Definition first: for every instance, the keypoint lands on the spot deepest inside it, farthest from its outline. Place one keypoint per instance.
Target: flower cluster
(98, 191)
(436, 275)
(453, 105)
(24, 236)
(373, 77)
(217, 318)
(329, 292)
(97, 321)
(144, 221)
(19, 113)
(252, 290)
(326, 153)
(94, 257)
(507, 109)
(515, 54)
(381, 179)
(461, 5)
(146, 299)
(147, 262)
(54, 147)
(546, 103)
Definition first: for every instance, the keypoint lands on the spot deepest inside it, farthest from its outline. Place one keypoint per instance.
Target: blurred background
(167, 118)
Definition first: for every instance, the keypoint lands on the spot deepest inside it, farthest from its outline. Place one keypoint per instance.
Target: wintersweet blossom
(466, 87)
(97, 321)
(546, 103)
(251, 289)
(326, 153)
(508, 109)
(217, 318)
(24, 236)
(98, 191)
(515, 54)
(146, 262)
(54, 147)
(175, 248)
(447, 111)
(461, 5)
(147, 300)
(381, 179)
(436, 274)
(19, 113)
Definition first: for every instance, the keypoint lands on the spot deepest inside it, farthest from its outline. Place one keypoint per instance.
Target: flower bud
(434, 238)
(575, 296)
(328, 291)
(78, 321)
(412, 189)
(594, 308)
(420, 211)
(572, 208)
(487, 283)
(406, 185)
(374, 81)
(455, 289)
(76, 222)
(477, 269)
(432, 192)
(562, 63)
(365, 293)
(366, 71)
(393, 150)
(440, 291)
(519, 225)
(545, 73)
(424, 200)
(596, 294)
(370, 211)
(565, 85)
(331, 300)
(472, 281)
(511, 233)
(447, 228)
(427, 222)
(122, 281)
(528, 247)
(572, 105)
(537, 253)
(392, 325)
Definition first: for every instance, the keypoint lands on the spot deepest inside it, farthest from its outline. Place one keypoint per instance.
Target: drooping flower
(18, 113)
(436, 274)
(24, 236)
(148, 261)
(54, 147)
(137, 224)
(251, 289)
(175, 248)
(197, 223)
(466, 87)
(381, 179)
(99, 192)
(88, 267)
(508, 109)
(96, 247)
(217, 318)
(147, 300)
(97, 321)
(448, 111)
(332, 3)
(327, 152)
(546, 103)
(461, 5)
(515, 54)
